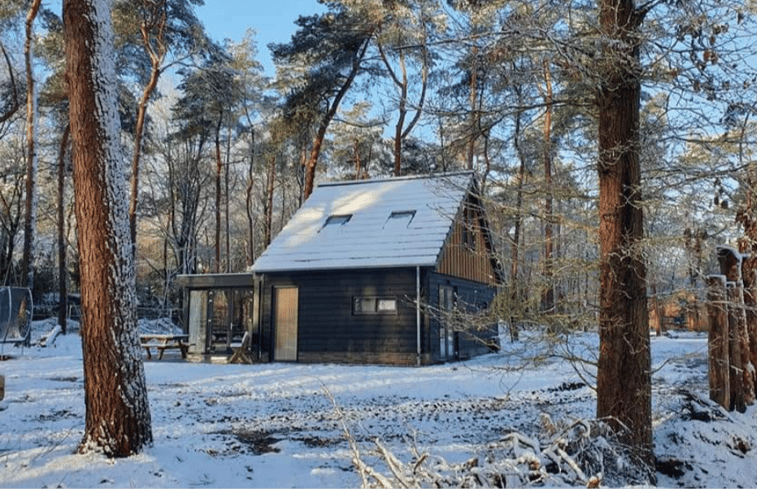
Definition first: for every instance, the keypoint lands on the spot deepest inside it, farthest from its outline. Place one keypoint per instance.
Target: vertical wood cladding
(465, 254)
(328, 330)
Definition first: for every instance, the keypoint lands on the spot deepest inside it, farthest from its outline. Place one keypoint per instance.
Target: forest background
(513, 90)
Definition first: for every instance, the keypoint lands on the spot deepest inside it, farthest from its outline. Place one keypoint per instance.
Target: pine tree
(117, 411)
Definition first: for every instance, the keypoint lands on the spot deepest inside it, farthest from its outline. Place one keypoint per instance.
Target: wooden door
(285, 301)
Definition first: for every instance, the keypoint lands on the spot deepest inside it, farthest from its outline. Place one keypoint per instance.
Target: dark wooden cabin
(379, 271)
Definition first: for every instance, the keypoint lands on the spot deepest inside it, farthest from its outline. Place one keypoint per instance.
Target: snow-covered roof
(369, 224)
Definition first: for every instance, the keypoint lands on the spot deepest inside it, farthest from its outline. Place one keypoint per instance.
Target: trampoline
(15, 315)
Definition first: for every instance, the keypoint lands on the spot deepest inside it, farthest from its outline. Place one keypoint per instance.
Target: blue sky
(273, 20)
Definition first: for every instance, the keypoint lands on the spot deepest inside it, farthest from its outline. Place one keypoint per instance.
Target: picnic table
(165, 342)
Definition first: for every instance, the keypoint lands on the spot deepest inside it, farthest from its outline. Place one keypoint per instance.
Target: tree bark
(115, 393)
(624, 394)
(736, 323)
(718, 345)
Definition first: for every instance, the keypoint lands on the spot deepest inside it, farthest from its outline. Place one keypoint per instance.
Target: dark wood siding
(328, 331)
(471, 296)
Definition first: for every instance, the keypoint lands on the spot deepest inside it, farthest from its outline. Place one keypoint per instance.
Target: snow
(369, 238)
(277, 425)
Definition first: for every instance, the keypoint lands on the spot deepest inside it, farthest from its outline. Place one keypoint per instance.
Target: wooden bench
(163, 342)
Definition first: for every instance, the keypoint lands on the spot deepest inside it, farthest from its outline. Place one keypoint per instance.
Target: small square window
(374, 305)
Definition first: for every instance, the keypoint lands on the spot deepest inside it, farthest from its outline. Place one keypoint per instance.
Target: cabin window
(374, 305)
(337, 220)
(399, 219)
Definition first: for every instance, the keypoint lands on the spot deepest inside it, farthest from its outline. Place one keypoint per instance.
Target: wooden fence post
(717, 311)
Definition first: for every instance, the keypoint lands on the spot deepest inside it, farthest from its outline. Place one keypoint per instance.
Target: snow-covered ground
(284, 425)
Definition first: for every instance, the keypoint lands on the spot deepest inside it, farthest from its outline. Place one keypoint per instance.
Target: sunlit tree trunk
(623, 377)
(115, 392)
(315, 151)
(154, 22)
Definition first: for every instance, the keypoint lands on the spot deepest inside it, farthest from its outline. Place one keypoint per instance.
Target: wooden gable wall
(467, 253)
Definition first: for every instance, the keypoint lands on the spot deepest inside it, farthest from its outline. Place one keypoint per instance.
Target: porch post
(418, 311)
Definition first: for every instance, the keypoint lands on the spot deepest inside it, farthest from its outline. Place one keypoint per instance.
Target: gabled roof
(398, 222)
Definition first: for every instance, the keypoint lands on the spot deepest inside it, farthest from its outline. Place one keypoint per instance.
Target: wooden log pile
(732, 338)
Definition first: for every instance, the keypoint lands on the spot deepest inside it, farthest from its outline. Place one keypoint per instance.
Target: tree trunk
(515, 244)
(315, 152)
(158, 21)
(749, 277)
(62, 272)
(227, 227)
(400, 131)
(248, 200)
(548, 297)
(624, 394)
(741, 369)
(736, 322)
(475, 116)
(219, 172)
(115, 392)
(31, 152)
(401, 118)
(14, 104)
(718, 345)
(268, 207)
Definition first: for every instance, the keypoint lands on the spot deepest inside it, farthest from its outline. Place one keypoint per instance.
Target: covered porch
(219, 309)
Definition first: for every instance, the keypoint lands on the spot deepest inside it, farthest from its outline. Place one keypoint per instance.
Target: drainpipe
(418, 311)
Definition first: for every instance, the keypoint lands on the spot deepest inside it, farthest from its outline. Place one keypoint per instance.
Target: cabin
(379, 271)
(383, 271)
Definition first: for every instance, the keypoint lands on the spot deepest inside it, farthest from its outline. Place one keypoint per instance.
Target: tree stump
(736, 321)
(717, 311)
(741, 367)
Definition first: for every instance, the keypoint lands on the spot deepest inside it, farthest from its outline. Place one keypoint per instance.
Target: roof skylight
(399, 219)
(337, 220)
